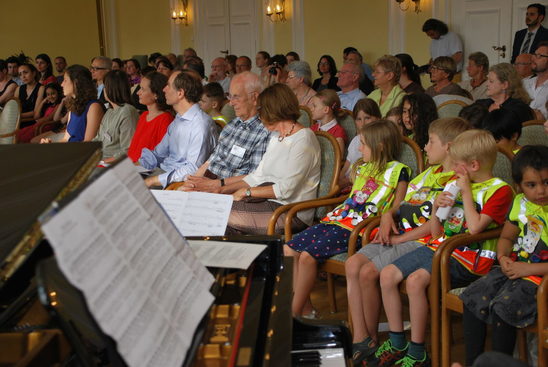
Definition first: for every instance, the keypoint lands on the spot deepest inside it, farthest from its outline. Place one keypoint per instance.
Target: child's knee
(369, 273)
(418, 281)
(306, 259)
(288, 251)
(353, 265)
(390, 276)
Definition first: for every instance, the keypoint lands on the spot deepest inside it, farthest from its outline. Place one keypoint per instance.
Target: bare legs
(305, 269)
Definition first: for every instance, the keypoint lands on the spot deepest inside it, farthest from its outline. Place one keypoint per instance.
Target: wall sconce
(179, 13)
(275, 10)
(404, 5)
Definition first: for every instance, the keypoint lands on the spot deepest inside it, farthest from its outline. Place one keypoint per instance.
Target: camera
(273, 69)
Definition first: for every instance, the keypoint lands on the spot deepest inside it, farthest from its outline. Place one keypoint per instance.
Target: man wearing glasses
(523, 65)
(100, 66)
(527, 40)
(349, 81)
(537, 87)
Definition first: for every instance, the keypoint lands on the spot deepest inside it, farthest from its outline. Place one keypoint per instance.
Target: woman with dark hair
(133, 70)
(7, 84)
(410, 80)
(288, 172)
(85, 111)
(30, 94)
(327, 69)
(117, 64)
(43, 64)
(506, 129)
(418, 112)
(118, 124)
(153, 123)
(231, 65)
(164, 66)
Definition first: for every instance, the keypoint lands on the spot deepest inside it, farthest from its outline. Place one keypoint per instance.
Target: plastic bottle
(453, 189)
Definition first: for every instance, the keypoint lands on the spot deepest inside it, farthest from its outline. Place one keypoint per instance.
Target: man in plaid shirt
(242, 142)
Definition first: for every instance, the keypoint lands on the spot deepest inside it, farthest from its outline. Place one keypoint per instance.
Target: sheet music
(223, 254)
(196, 213)
(141, 280)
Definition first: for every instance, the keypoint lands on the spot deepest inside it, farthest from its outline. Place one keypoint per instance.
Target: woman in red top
(43, 64)
(153, 123)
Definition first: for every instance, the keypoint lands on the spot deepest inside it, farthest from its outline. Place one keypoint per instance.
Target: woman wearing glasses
(299, 79)
(442, 71)
(328, 71)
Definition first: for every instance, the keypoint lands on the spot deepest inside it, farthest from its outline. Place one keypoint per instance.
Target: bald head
(523, 65)
(243, 63)
(244, 90)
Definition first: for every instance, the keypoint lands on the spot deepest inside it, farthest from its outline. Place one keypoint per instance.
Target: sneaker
(409, 361)
(387, 355)
(362, 351)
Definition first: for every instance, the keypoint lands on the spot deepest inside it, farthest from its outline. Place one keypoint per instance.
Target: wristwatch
(248, 192)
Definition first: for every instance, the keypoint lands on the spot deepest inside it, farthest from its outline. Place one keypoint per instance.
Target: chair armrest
(369, 224)
(297, 207)
(7, 135)
(39, 127)
(174, 185)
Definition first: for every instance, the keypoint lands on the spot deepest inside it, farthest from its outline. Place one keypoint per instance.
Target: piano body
(249, 324)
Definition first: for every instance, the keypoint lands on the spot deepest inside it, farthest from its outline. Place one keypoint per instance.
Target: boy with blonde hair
(395, 240)
(482, 203)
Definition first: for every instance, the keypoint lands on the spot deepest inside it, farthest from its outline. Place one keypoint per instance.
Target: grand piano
(249, 324)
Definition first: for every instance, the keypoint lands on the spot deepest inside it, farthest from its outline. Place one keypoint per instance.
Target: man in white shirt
(218, 73)
(349, 80)
(444, 43)
(537, 87)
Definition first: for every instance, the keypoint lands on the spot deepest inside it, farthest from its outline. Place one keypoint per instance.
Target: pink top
(148, 133)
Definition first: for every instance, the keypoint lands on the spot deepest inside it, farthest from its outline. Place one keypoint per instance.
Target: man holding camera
(277, 72)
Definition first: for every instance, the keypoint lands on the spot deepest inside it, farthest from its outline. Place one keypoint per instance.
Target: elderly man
(537, 87)
(527, 40)
(523, 65)
(349, 81)
(189, 139)
(243, 63)
(242, 142)
(218, 73)
(100, 66)
(366, 77)
(60, 66)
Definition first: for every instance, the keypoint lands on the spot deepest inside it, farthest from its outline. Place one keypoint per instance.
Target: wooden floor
(321, 304)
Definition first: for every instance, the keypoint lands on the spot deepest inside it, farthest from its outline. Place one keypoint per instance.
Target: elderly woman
(504, 89)
(328, 71)
(298, 79)
(288, 172)
(478, 66)
(388, 93)
(442, 71)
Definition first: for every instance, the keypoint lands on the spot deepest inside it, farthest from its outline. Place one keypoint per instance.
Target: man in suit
(526, 40)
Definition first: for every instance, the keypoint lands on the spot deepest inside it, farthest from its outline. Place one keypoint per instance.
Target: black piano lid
(35, 175)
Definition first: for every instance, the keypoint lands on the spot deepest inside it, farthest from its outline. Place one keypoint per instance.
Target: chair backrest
(306, 116)
(411, 155)
(9, 121)
(451, 108)
(228, 112)
(141, 59)
(503, 166)
(348, 125)
(532, 133)
(330, 168)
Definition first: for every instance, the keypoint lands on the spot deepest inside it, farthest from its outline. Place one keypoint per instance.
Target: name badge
(237, 151)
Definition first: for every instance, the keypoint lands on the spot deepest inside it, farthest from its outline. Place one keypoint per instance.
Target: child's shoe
(387, 355)
(362, 351)
(409, 361)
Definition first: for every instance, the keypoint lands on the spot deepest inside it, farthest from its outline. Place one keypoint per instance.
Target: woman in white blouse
(289, 171)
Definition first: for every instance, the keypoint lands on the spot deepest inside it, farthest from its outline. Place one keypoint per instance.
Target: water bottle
(453, 189)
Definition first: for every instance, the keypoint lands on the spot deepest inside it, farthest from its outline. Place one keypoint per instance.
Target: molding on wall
(267, 40)
(109, 28)
(297, 27)
(175, 32)
(396, 28)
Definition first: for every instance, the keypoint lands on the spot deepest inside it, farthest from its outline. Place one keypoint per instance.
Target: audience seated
(537, 86)
(523, 66)
(505, 90)
(276, 70)
(164, 66)
(133, 70)
(13, 68)
(85, 111)
(299, 79)
(410, 80)
(505, 127)
(43, 64)
(190, 138)
(243, 63)
(30, 94)
(386, 74)
(60, 66)
(326, 111)
(218, 73)
(349, 78)
(478, 67)
(292, 56)
(328, 70)
(231, 65)
(172, 59)
(418, 112)
(7, 85)
(212, 101)
(196, 64)
(442, 71)
(153, 123)
(474, 114)
(366, 75)
(117, 64)
(100, 66)
(261, 62)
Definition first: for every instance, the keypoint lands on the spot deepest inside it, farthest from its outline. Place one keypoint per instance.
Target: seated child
(391, 242)
(380, 180)
(506, 129)
(212, 101)
(506, 296)
(395, 114)
(418, 112)
(326, 110)
(482, 203)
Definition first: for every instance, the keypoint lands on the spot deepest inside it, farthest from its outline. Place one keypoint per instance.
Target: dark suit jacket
(541, 35)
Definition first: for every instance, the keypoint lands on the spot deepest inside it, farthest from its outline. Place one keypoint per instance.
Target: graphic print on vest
(417, 210)
(356, 208)
(530, 247)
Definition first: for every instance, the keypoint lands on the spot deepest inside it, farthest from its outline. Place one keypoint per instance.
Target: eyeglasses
(538, 56)
(95, 68)
(433, 67)
(236, 97)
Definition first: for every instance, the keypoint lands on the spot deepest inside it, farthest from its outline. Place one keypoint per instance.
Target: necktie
(525, 48)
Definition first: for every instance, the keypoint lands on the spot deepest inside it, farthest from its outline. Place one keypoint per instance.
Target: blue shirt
(240, 149)
(349, 99)
(187, 144)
